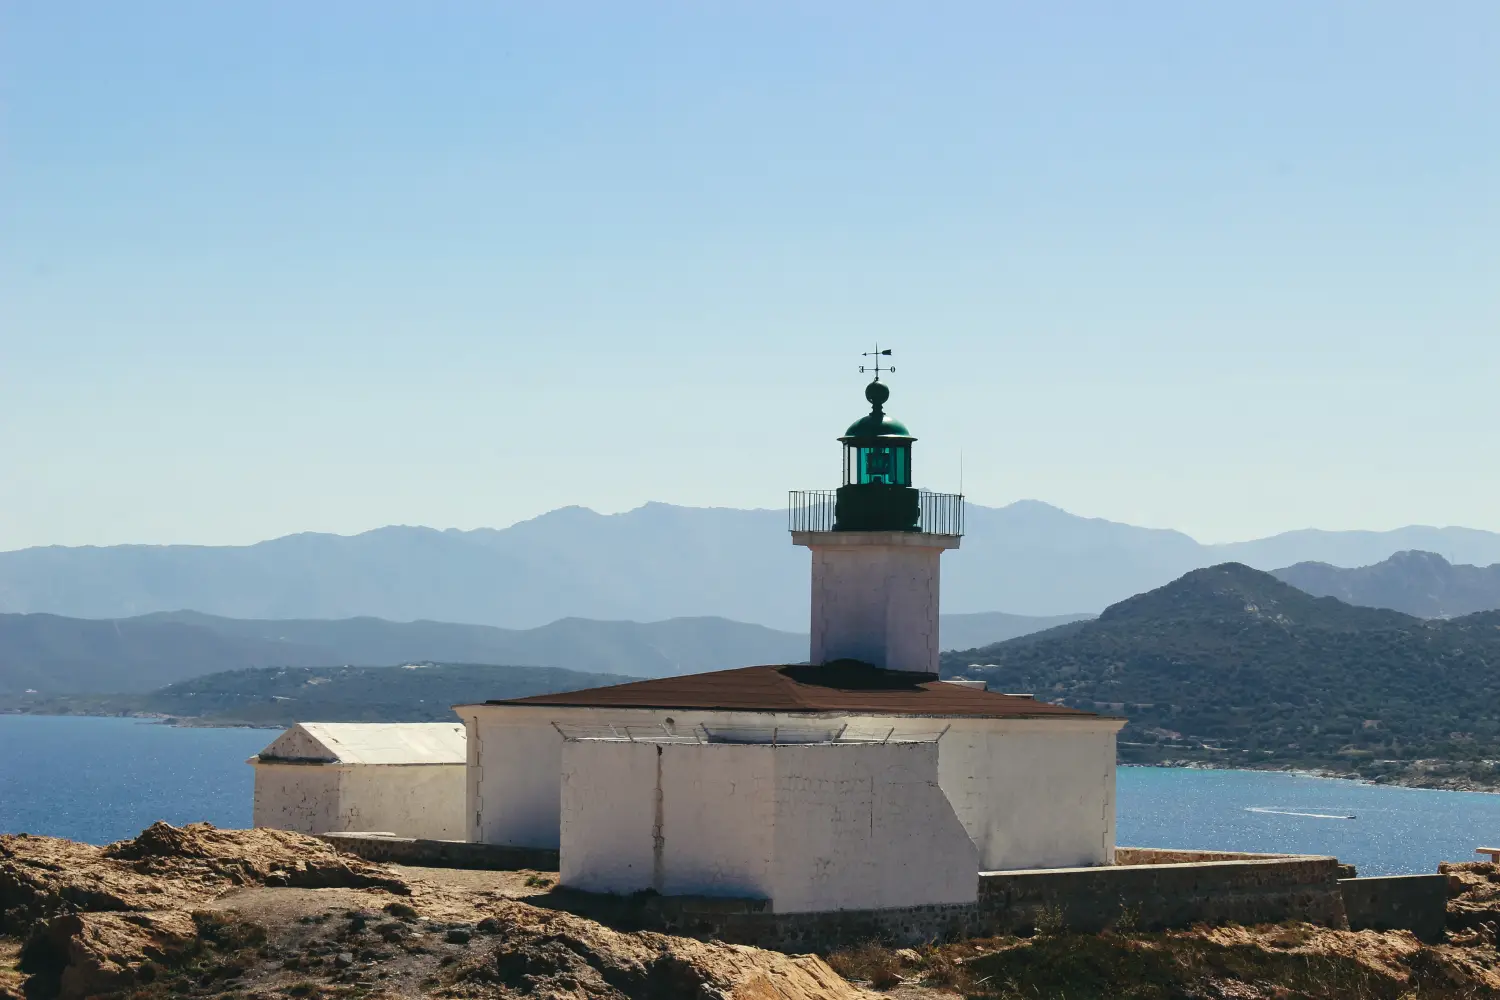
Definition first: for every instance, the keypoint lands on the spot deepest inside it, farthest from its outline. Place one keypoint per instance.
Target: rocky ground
(200, 912)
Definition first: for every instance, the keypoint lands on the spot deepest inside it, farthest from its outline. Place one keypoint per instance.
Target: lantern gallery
(855, 781)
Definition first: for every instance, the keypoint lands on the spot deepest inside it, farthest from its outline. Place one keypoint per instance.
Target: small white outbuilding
(406, 779)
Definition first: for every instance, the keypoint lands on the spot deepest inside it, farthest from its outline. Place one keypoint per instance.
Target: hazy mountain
(280, 696)
(1418, 583)
(652, 563)
(1231, 665)
(50, 654)
(985, 627)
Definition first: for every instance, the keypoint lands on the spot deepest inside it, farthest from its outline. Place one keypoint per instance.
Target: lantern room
(877, 449)
(877, 494)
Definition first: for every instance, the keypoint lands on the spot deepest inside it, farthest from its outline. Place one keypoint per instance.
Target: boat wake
(1293, 812)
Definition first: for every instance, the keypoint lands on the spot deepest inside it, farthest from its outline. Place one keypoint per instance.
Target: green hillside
(280, 696)
(1230, 666)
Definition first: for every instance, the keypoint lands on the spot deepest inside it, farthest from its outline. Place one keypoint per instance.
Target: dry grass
(1292, 962)
(871, 963)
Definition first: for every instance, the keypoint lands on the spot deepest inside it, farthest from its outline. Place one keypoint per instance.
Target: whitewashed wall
(299, 797)
(867, 827)
(811, 828)
(424, 800)
(515, 760)
(875, 597)
(1032, 793)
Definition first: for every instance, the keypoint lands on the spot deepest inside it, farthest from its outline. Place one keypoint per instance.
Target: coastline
(1431, 774)
(1422, 779)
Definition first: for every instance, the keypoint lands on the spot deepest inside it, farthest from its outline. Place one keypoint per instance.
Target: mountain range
(649, 564)
(1418, 583)
(52, 655)
(1231, 666)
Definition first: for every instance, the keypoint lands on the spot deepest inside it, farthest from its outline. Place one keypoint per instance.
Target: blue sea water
(99, 780)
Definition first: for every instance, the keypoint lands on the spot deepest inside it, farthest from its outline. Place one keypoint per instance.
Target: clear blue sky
(1228, 267)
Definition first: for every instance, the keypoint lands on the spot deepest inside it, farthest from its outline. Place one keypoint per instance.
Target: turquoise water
(99, 780)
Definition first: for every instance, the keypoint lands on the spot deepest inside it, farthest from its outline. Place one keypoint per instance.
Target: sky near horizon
(1231, 268)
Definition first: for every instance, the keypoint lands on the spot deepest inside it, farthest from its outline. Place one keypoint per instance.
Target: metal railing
(810, 510)
(942, 513)
(813, 510)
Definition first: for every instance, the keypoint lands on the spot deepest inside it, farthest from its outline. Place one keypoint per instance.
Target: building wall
(811, 827)
(866, 826)
(609, 807)
(1030, 793)
(876, 602)
(423, 800)
(515, 764)
(411, 801)
(300, 797)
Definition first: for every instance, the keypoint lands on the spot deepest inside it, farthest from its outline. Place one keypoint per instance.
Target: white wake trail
(1293, 812)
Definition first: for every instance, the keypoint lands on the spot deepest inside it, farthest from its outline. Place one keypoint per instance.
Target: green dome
(877, 425)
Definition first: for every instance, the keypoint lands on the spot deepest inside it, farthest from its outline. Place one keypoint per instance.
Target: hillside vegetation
(280, 696)
(1230, 666)
(53, 655)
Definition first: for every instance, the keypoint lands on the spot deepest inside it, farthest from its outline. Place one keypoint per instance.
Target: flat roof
(842, 686)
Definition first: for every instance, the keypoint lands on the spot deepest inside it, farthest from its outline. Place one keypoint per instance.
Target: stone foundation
(1146, 897)
(387, 849)
(1416, 903)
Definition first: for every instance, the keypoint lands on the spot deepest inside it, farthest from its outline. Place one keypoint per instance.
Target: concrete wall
(1031, 793)
(300, 797)
(442, 853)
(875, 597)
(866, 827)
(1083, 899)
(424, 800)
(810, 827)
(1416, 903)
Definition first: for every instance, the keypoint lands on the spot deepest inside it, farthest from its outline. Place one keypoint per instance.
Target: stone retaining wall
(1157, 896)
(442, 853)
(1416, 903)
(1267, 890)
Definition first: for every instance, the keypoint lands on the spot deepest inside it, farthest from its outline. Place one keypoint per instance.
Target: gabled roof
(843, 686)
(370, 743)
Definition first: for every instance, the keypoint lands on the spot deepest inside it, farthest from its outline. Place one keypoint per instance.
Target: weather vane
(877, 354)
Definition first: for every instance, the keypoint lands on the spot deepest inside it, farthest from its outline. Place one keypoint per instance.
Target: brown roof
(845, 686)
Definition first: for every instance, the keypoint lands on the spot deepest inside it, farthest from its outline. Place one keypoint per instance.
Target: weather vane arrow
(877, 354)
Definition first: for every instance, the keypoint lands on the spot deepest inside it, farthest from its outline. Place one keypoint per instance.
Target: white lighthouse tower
(876, 548)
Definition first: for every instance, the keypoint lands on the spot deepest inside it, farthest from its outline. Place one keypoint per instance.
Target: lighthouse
(877, 544)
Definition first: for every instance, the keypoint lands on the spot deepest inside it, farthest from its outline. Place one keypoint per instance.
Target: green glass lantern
(877, 494)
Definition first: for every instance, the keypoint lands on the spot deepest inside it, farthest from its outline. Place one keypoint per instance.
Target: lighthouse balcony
(870, 507)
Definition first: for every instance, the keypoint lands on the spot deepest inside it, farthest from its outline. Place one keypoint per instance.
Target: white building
(841, 783)
(405, 779)
(1033, 784)
(808, 826)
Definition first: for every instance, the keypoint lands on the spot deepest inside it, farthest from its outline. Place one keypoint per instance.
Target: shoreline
(1421, 779)
(1435, 783)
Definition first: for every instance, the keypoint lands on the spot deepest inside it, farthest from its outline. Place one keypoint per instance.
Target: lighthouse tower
(876, 544)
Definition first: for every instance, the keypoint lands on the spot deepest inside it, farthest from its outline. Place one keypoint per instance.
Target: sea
(104, 779)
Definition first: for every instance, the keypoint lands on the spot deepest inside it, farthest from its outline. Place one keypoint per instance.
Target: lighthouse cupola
(877, 494)
(876, 546)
